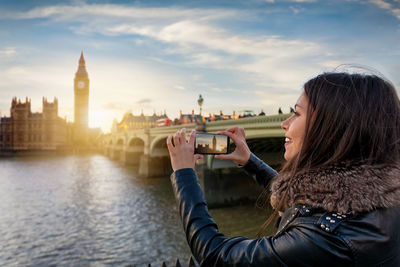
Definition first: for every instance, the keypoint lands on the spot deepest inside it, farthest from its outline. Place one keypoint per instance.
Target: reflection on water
(89, 210)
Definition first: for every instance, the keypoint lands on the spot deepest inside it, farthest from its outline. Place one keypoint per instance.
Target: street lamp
(200, 102)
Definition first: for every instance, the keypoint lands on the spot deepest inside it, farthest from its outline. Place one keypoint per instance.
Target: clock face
(81, 84)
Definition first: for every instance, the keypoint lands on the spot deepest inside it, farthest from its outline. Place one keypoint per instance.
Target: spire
(82, 66)
(82, 59)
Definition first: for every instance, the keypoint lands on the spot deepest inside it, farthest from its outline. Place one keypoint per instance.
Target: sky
(156, 56)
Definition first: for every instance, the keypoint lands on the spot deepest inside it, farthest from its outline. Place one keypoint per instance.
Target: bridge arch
(135, 142)
(120, 142)
(159, 156)
(134, 151)
(107, 144)
(158, 146)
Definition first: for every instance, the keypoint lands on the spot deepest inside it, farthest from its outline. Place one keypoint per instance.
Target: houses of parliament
(24, 130)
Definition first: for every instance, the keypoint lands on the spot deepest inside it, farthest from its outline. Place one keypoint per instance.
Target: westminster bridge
(222, 181)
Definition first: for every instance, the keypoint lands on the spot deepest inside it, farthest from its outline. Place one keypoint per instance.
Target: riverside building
(132, 122)
(25, 130)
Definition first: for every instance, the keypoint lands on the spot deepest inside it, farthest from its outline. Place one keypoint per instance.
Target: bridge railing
(172, 129)
(273, 121)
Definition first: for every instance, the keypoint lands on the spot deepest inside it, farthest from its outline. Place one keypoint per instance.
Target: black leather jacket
(305, 237)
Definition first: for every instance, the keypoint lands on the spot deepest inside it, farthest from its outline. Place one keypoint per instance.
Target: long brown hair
(350, 117)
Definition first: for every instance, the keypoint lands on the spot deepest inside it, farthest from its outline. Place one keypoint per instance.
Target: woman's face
(295, 127)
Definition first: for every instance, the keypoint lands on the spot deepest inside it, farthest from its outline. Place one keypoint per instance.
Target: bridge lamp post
(200, 102)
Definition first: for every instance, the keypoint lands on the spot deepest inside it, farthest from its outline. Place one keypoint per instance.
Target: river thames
(87, 210)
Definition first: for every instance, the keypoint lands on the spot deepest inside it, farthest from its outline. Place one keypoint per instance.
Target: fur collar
(341, 188)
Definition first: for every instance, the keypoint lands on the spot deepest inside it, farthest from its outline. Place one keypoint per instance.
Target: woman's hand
(242, 152)
(182, 151)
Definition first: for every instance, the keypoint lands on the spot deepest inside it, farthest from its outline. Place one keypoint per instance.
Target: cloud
(304, 1)
(279, 72)
(184, 27)
(191, 34)
(204, 58)
(30, 79)
(111, 12)
(118, 106)
(8, 52)
(189, 30)
(296, 10)
(296, 1)
(230, 90)
(179, 87)
(144, 101)
(330, 64)
(382, 4)
(278, 99)
(396, 12)
(387, 6)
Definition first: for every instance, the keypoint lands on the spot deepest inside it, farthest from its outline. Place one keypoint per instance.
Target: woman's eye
(296, 113)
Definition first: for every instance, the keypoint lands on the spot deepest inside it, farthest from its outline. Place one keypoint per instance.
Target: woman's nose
(285, 124)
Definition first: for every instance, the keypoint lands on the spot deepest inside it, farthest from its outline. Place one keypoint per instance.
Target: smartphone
(210, 143)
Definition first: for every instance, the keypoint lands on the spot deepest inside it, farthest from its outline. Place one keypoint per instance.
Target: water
(87, 210)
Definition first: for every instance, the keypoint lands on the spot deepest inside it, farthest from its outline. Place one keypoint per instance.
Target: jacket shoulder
(301, 225)
(374, 237)
(305, 214)
(370, 238)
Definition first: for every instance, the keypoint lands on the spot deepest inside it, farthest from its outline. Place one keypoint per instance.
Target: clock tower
(81, 105)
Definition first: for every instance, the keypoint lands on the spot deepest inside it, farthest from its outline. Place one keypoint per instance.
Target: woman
(339, 190)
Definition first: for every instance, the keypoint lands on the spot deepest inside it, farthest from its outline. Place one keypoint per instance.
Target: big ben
(81, 107)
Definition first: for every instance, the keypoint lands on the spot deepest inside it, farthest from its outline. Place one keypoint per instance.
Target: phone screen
(209, 143)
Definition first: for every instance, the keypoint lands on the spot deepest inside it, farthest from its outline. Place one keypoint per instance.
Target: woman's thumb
(224, 157)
